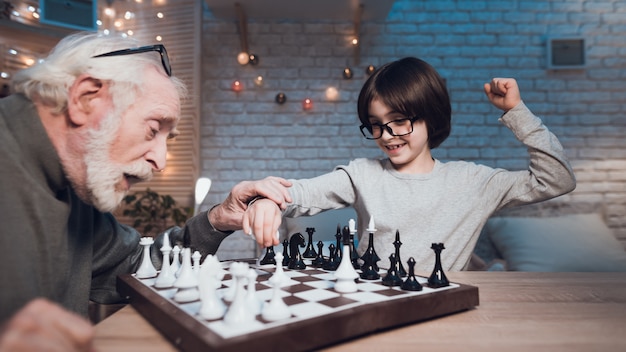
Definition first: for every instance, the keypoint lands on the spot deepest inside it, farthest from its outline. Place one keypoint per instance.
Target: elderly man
(83, 126)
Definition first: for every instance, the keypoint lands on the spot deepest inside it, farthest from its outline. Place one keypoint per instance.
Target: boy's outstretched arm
(503, 93)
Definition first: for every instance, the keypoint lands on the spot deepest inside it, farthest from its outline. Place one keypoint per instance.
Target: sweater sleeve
(549, 173)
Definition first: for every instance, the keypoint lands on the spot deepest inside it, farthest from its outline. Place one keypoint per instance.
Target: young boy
(405, 109)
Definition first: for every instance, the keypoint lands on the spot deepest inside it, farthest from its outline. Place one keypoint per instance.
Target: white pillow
(580, 242)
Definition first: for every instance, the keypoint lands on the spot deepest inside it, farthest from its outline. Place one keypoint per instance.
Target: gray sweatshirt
(450, 204)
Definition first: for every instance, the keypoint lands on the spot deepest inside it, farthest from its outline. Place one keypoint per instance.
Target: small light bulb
(243, 58)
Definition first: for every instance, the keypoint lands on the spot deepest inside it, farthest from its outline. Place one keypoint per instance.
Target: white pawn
(238, 311)
(275, 309)
(175, 267)
(253, 302)
(209, 280)
(196, 262)
(187, 281)
(166, 277)
(279, 278)
(146, 269)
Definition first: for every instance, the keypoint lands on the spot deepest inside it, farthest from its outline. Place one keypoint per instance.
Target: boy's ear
(85, 95)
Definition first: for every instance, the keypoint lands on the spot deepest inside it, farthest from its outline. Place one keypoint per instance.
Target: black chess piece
(309, 252)
(295, 260)
(438, 277)
(269, 257)
(319, 260)
(354, 255)
(411, 283)
(338, 246)
(392, 278)
(399, 267)
(286, 257)
(370, 255)
(331, 264)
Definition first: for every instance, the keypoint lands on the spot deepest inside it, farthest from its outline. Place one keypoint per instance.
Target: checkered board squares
(313, 303)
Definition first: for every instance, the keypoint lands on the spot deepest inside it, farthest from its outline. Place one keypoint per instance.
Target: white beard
(104, 177)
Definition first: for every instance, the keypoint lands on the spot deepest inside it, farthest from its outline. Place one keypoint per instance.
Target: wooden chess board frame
(188, 333)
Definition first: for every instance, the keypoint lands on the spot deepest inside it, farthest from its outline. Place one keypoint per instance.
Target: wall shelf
(301, 10)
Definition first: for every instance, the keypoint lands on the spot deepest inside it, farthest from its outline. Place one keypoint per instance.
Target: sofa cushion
(579, 242)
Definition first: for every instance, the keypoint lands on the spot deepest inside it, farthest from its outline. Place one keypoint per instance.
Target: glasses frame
(159, 48)
(385, 127)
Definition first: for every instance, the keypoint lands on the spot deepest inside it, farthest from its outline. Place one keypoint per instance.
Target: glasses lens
(368, 132)
(401, 127)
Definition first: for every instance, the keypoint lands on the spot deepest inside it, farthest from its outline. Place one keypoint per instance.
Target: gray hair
(50, 80)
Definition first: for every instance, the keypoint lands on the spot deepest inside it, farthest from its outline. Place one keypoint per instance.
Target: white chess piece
(279, 278)
(146, 269)
(238, 311)
(196, 261)
(187, 281)
(276, 308)
(209, 280)
(166, 277)
(253, 302)
(175, 267)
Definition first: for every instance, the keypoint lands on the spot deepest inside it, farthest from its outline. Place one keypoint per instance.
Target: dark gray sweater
(53, 244)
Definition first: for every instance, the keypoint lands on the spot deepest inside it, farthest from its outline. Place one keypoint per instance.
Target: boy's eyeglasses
(159, 48)
(396, 128)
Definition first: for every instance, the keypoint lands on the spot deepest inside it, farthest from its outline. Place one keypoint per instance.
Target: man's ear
(85, 95)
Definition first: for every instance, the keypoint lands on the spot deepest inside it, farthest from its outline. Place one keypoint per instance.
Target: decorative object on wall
(370, 69)
(244, 57)
(332, 93)
(347, 73)
(307, 104)
(258, 81)
(237, 86)
(566, 53)
(356, 41)
(254, 59)
(280, 98)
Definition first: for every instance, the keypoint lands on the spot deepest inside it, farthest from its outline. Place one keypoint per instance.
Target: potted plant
(152, 213)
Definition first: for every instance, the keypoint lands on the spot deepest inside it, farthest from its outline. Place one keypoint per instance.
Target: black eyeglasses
(396, 128)
(159, 48)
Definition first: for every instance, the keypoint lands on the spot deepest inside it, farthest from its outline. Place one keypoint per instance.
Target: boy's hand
(262, 220)
(503, 93)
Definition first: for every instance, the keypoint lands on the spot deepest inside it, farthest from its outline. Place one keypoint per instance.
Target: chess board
(320, 316)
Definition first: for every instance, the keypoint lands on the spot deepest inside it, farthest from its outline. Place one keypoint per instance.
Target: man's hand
(503, 93)
(229, 215)
(45, 326)
(262, 220)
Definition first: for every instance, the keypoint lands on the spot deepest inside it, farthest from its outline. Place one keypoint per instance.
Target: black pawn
(392, 278)
(411, 283)
(269, 256)
(370, 257)
(332, 264)
(438, 277)
(295, 260)
(318, 262)
(286, 252)
(309, 252)
(399, 266)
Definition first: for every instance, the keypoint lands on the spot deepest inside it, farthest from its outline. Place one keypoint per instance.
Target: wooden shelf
(303, 10)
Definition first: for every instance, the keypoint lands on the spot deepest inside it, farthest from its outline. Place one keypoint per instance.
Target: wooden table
(517, 312)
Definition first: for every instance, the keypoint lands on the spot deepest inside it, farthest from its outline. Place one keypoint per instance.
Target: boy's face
(409, 153)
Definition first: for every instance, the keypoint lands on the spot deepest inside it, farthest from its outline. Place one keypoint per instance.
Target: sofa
(558, 243)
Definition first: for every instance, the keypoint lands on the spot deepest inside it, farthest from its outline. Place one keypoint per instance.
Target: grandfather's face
(129, 149)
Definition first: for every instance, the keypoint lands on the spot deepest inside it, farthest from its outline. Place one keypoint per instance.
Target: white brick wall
(248, 136)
